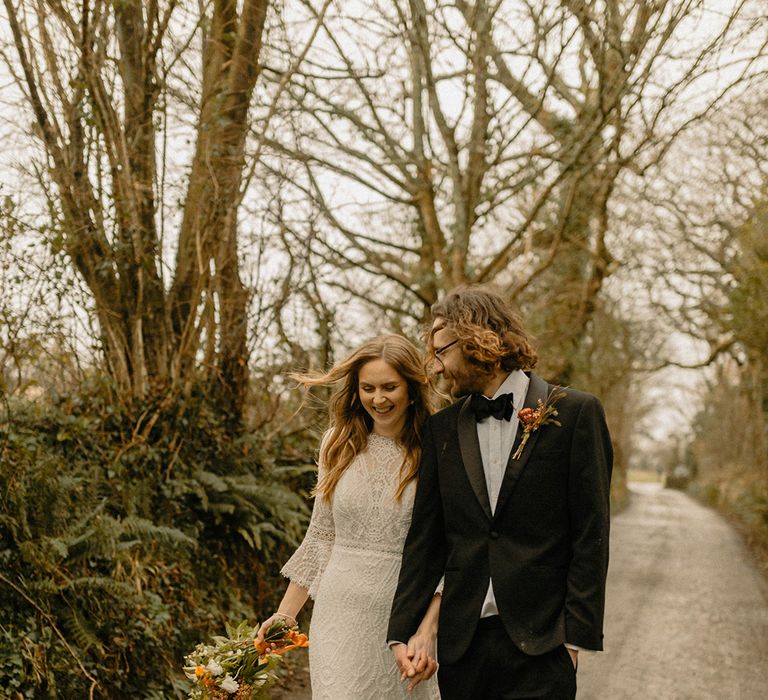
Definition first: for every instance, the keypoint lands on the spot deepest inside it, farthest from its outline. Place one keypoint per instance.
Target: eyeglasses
(439, 351)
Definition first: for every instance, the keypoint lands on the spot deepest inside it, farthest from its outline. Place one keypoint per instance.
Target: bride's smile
(384, 395)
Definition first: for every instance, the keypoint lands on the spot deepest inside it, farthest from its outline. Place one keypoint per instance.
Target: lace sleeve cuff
(308, 562)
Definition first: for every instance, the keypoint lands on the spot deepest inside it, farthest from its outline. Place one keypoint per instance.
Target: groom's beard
(464, 380)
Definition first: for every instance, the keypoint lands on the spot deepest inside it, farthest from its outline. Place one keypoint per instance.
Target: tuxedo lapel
(537, 389)
(470, 455)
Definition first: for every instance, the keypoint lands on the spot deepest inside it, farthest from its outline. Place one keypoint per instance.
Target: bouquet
(236, 667)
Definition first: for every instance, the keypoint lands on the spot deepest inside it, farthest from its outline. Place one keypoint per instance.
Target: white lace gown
(350, 560)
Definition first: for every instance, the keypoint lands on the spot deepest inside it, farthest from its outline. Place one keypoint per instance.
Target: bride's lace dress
(350, 560)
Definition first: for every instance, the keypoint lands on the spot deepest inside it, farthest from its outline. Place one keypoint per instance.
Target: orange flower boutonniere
(533, 418)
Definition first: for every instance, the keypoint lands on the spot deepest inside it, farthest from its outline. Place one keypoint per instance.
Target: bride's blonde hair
(350, 424)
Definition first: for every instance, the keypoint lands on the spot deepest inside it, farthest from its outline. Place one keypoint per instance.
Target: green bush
(129, 534)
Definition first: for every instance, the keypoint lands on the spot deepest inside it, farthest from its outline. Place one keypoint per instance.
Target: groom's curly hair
(490, 332)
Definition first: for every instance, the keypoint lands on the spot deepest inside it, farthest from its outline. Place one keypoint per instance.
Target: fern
(86, 586)
(81, 630)
(212, 481)
(146, 530)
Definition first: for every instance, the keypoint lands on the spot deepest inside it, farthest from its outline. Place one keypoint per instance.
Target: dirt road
(687, 611)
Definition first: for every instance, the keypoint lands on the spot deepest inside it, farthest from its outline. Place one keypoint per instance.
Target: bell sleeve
(305, 568)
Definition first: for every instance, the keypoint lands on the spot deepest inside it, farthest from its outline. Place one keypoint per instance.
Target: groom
(515, 518)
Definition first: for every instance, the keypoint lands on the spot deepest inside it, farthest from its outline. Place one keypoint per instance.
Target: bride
(349, 560)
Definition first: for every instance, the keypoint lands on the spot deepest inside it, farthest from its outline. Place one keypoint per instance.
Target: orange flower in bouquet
(292, 639)
(236, 667)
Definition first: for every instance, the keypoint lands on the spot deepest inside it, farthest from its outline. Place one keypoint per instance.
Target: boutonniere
(533, 418)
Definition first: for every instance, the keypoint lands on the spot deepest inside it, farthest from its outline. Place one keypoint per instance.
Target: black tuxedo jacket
(545, 546)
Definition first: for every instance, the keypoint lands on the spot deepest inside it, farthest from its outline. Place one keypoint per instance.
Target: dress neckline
(379, 436)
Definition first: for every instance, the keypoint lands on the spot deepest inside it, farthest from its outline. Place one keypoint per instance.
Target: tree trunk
(209, 227)
(102, 146)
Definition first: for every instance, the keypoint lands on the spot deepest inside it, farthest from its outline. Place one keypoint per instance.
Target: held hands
(416, 660)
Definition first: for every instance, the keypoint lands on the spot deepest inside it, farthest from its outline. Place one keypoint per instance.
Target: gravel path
(687, 610)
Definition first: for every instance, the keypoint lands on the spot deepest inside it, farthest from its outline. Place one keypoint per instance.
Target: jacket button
(494, 535)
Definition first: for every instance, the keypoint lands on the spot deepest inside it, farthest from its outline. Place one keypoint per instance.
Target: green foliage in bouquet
(127, 534)
(238, 667)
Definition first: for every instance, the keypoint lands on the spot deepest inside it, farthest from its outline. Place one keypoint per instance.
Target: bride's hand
(403, 661)
(275, 617)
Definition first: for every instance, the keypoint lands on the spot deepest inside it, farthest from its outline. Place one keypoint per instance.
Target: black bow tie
(500, 408)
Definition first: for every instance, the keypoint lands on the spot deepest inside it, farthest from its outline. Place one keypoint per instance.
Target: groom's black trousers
(493, 668)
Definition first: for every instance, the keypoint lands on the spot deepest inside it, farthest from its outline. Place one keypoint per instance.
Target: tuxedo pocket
(555, 569)
(568, 661)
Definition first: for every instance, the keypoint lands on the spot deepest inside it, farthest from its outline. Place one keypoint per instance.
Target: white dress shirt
(496, 438)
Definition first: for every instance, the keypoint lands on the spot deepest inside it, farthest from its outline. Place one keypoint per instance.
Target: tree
(439, 144)
(99, 77)
(709, 267)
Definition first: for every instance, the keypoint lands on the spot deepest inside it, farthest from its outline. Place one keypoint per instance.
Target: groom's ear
(438, 323)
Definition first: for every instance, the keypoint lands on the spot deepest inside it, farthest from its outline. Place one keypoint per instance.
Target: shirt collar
(516, 383)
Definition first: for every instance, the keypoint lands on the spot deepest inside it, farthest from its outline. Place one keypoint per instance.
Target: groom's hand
(429, 666)
(415, 662)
